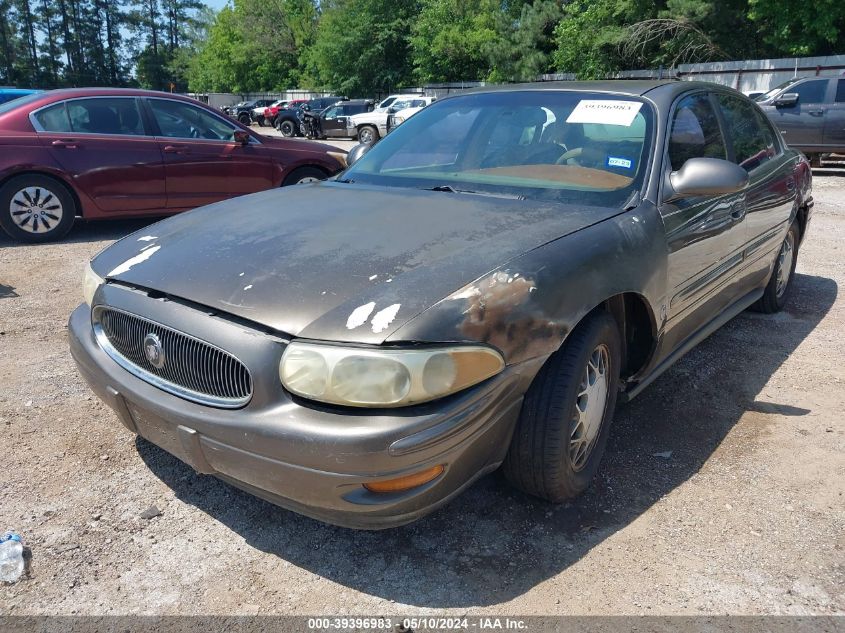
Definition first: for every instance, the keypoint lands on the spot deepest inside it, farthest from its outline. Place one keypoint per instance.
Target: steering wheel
(194, 132)
(570, 154)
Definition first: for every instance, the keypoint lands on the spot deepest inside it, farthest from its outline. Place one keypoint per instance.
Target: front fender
(527, 307)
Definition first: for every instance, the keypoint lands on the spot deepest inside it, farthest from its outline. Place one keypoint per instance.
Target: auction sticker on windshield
(610, 112)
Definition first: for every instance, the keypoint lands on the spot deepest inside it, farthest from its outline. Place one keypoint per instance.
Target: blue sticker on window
(616, 161)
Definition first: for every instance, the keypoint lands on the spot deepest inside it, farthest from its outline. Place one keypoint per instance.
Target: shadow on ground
(89, 232)
(492, 543)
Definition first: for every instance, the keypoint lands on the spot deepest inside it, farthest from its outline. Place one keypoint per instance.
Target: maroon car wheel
(36, 208)
(303, 176)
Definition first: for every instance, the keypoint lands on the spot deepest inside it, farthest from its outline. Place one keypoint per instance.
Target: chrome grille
(192, 369)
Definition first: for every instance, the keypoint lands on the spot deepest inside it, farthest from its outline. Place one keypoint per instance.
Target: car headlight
(90, 282)
(385, 377)
(398, 119)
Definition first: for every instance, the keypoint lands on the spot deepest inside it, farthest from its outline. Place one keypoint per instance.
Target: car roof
(658, 90)
(357, 102)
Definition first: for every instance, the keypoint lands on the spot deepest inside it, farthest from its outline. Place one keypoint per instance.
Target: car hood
(369, 117)
(336, 261)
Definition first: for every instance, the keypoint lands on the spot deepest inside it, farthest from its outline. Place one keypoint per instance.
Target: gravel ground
(721, 492)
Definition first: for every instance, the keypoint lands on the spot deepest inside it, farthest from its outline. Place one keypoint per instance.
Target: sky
(216, 4)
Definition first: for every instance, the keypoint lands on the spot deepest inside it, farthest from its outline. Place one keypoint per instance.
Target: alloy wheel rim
(366, 135)
(590, 405)
(306, 180)
(286, 128)
(36, 210)
(787, 254)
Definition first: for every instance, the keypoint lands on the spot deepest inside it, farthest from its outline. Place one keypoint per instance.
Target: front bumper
(310, 458)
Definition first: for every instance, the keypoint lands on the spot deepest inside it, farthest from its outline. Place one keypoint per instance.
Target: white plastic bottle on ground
(11, 557)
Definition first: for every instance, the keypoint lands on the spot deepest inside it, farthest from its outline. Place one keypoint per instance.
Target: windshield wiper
(346, 181)
(451, 189)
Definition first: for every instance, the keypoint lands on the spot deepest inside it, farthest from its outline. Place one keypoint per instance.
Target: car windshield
(18, 102)
(771, 93)
(549, 145)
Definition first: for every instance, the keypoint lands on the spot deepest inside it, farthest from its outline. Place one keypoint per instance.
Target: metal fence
(751, 75)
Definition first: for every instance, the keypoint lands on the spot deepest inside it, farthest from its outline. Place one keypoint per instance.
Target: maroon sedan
(106, 153)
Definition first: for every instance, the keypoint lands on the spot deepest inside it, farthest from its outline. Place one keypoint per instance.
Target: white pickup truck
(369, 127)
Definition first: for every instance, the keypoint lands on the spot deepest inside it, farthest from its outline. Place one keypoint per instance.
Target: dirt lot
(746, 516)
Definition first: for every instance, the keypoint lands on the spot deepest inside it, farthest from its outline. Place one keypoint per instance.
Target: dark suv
(288, 121)
(810, 114)
(243, 111)
(333, 119)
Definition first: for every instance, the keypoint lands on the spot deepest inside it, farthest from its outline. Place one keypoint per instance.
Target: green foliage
(527, 41)
(801, 28)
(254, 46)
(591, 33)
(455, 39)
(362, 46)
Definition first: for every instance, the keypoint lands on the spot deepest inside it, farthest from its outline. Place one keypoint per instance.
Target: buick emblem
(154, 351)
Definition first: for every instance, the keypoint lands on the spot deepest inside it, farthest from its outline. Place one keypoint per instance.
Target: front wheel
(36, 208)
(563, 426)
(244, 119)
(303, 176)
(777, 290)
(287, 128)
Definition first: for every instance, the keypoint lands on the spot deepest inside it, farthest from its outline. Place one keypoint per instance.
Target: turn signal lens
(406, 482)
(362, 377)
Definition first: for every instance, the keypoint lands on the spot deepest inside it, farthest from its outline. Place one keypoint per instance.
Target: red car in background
(107, 153)
(272, 113)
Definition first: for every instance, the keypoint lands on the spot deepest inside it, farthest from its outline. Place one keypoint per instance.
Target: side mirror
(708, 177)
(356, 153)
(241, 137)
(786, 100)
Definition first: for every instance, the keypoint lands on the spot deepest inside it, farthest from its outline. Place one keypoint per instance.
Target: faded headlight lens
(384, 378)
(90, 282)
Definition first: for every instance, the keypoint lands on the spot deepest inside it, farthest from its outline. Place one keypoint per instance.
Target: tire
(367, 134)
(304, 175)
(244, 119)
(260, 121)
(35, 208)
(287, 128)
(543, 459)
(777, 290)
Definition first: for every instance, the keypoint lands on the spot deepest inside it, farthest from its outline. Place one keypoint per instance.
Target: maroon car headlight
(360, 377)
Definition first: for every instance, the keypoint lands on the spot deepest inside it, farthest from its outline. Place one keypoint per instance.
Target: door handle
(738, 210)
(175, 149)
(790, 184)
(66, 143)
(817, 112)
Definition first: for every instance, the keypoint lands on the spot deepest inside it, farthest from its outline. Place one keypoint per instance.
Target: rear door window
(753, 140)
(106, 116)
(53, 118)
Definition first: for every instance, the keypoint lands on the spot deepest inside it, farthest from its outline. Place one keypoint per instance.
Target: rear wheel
(777, 290)
(287, 128)
(244, 119)
(260, 121)
(367, 134)
(303, 176)
(36, 208)
(565, 418)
